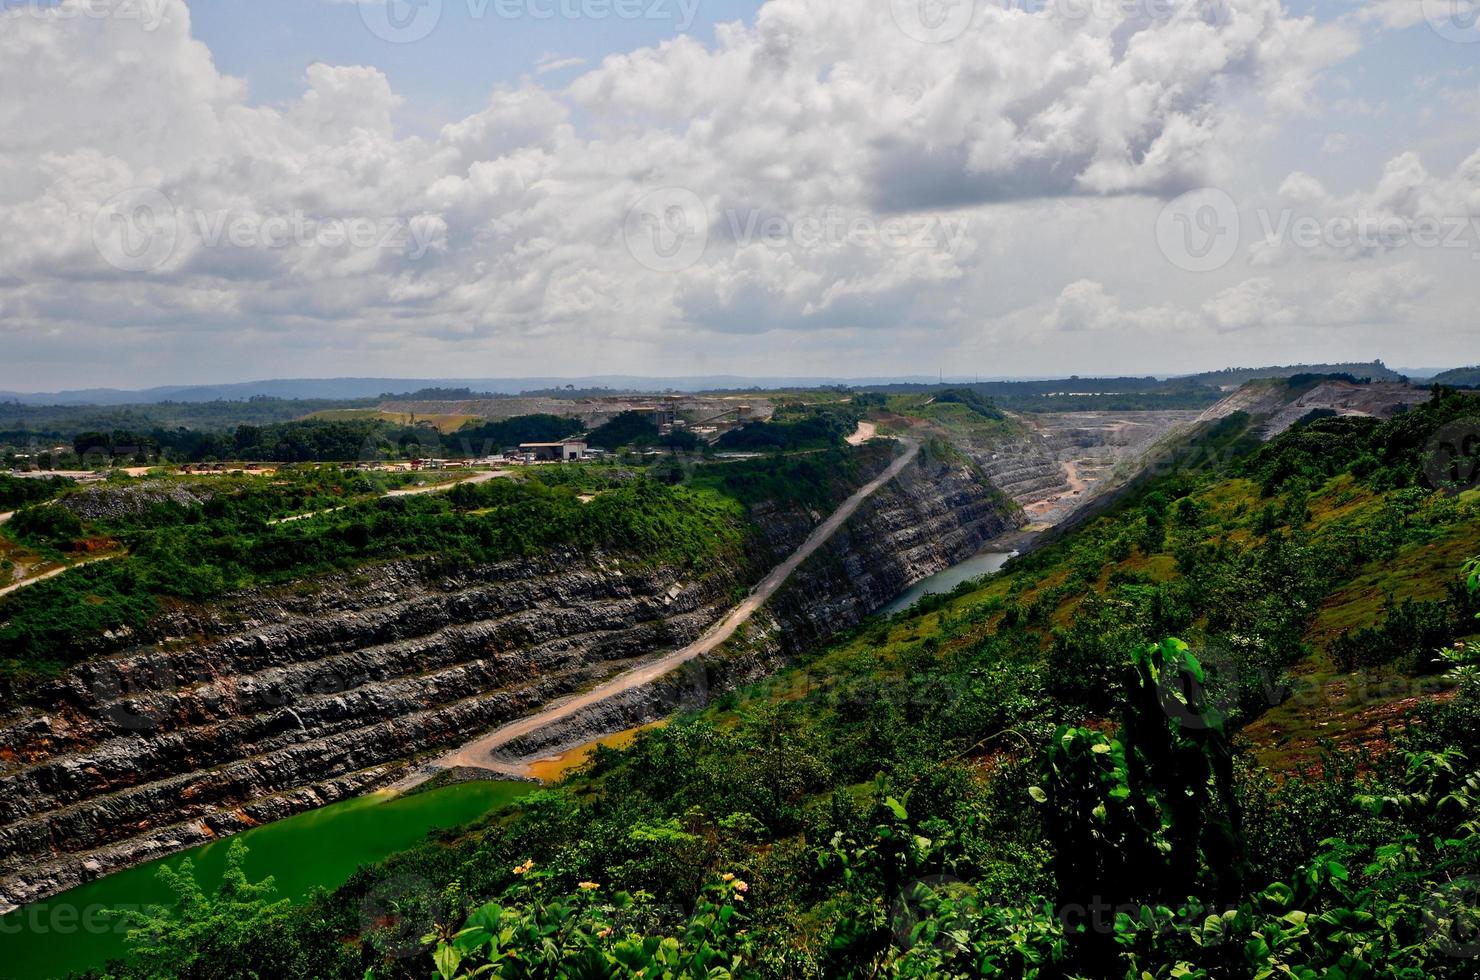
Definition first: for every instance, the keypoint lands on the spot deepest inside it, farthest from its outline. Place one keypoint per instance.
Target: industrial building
(552, 452)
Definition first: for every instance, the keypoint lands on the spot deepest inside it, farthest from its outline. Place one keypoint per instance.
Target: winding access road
(44, 576)
(481, 477)
(479, 754)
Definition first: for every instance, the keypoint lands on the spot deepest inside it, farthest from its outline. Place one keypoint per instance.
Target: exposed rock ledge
(933, 517)
(286, 701)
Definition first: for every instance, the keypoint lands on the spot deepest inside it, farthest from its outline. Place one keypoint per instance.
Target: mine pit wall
(935, 515)
(284, 701)
(272, 703)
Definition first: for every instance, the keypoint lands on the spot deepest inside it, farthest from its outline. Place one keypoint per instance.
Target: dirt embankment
(484, 751)
(1275, 406)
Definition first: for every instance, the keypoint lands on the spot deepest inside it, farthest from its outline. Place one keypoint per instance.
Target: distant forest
(1459, 378)
(1374, 371)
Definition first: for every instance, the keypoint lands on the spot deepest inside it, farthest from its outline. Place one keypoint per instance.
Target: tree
(202, 935)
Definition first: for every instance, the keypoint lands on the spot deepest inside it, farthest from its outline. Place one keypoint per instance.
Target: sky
(226, 190)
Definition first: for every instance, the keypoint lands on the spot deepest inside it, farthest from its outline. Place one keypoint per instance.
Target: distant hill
(1468, 377)
(1231, 377)
(373, 388)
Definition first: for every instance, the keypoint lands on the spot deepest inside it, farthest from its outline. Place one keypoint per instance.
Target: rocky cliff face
(269, 704)
(285, 701)
(935, 515)
(1275, 407)
(1065, 458)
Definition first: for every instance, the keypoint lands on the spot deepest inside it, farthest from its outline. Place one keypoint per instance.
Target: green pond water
(321, 848)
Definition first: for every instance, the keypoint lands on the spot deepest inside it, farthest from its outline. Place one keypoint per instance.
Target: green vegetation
(1011, 781)
(1027, 777)
(20, 424)
(912, 810)
(228, 539)
(487, 438)
(330, 436)
(1073, 394)
(626, 429)
(223, 549)
(972, 400)
(1182, 398)
(963, 416)
(212, 928)
(306, 440)
(21, 491)
(794, 427)
(817, 481)
(1468, 377)
(1372, 371)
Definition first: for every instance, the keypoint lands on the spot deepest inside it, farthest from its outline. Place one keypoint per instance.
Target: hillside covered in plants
(1226, 729)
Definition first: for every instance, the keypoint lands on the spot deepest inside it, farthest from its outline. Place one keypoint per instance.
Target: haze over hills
(367, 388)
(356, 388)
(1459, 377)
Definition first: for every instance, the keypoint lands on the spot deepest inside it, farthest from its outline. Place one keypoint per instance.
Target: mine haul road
(480, 753)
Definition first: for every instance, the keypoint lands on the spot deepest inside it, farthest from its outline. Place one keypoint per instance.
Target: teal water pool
(987, 563)
(318, 849)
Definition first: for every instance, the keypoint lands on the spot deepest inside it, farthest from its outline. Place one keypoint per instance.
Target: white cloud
(511, 221)
(1249, 304)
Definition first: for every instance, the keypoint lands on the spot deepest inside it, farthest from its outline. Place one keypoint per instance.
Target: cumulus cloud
(513, 226)
(1407, 209)
(1249, 304)
(1258, 304)
(1087, 305)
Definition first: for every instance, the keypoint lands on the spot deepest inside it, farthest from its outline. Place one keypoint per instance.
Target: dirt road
(1076, 482)
(7, 590)
(479, 754)
(482, 477)
(866, 431)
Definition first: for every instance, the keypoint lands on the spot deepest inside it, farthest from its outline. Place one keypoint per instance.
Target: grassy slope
(233, 541)
(946, 704)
